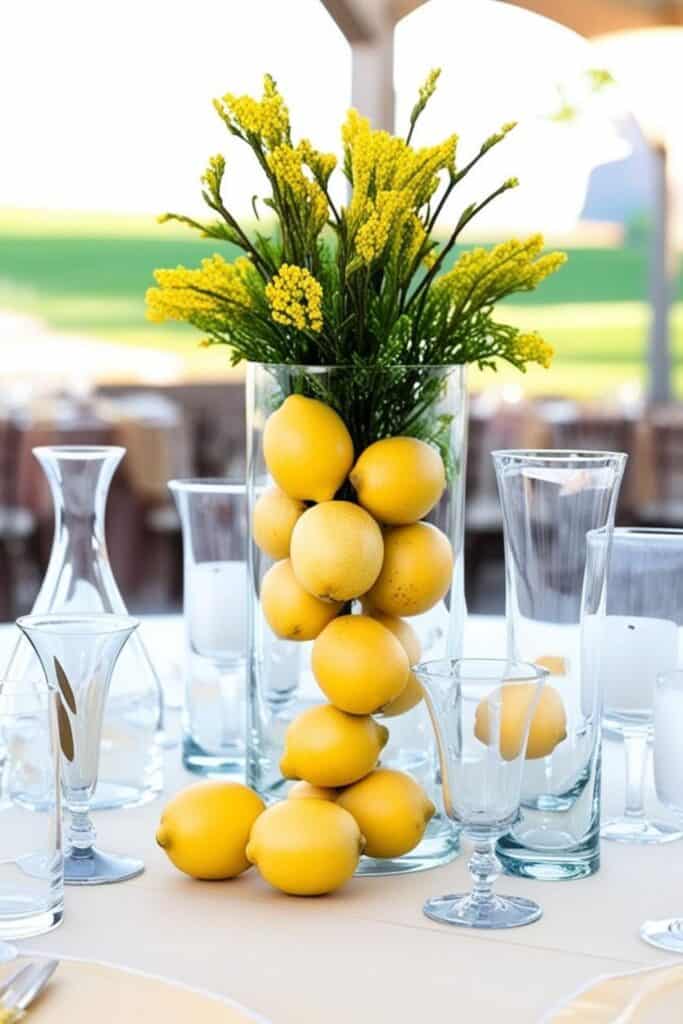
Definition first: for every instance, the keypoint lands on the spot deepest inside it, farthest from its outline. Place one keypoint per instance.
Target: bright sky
(106, 106)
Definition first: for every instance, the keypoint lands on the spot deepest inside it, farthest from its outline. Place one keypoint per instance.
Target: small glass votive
(214, 525)
(668, 763)
(31, 858)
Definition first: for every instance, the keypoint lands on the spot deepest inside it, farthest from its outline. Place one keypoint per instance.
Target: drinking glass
(555, 590)
(481, 711)
(78, 654)
(641, 641)
(213, 516)
(31, 861)
(668, 759)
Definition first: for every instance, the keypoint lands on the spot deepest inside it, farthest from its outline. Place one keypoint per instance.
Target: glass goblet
(668, 758)
(481, 711)
(78, 654)
(644, 614)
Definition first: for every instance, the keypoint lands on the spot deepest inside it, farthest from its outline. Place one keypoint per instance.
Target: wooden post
(662, 276)
(372, 77)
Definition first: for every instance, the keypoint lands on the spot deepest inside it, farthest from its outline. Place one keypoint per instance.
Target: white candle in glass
(215, 602)
(668, 740)
(635, 650)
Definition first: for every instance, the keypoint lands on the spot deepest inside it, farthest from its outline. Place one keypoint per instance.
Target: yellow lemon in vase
(399, 479)
(405, 634)
(416, 572)
(305, 791)
(305, 847)
(391, 809)
(205, 828)
(274, 518)
(548, 725)
(359, 664)
(307, 449)
(290, 611)
(336, 551)
(329, 748)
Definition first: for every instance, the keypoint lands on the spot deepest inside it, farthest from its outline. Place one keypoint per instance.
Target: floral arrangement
(363, 284)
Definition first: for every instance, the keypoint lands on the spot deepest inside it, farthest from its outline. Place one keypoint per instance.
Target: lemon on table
(336, 550)
(417, 570)
(290, 611)
(205, 828)
(307, 449)
(359, 664)
(548, 725)
(391, 809)
(305, 847)
(399, 479)
(305, 791)
(275, 514)
(327, 747)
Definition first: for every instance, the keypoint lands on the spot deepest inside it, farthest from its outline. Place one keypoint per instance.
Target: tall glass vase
(428, 403)
(555, 606)
(79, 580)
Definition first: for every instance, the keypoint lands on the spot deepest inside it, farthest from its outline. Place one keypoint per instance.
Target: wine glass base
(502, 912)
(666, 934)
(97, 868)
(7, 952)
(626, 830)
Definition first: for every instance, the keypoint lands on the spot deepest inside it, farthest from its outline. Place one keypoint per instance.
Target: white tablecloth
(366, 954)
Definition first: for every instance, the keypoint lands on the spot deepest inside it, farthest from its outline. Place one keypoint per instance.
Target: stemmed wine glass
(481, 711)
(641, 640)
(668, 757)
(78, 654)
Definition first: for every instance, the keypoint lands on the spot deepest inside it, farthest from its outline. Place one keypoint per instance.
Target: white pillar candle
(635, 650)
(215, 607)
(668, 744)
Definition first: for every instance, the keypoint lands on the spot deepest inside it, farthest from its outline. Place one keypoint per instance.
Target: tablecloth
(367, 954)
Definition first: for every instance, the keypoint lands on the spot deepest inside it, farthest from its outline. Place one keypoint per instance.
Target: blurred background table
(366, 953)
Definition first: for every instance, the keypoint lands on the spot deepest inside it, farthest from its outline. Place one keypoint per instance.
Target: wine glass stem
(81, 833)
(484, 867)
(635, 751)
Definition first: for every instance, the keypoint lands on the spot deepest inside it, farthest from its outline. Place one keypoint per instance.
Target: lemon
(359, 664)
(403, 631)
(305, 791)
(305, 847)
(555, 664)
(205, 828)
(275, 514)
(291, 612)
(406, 701)
(336, 550)
(392, 811)
(399, 479)
(307, 449)
(416, 572)
(329, 748)
(548, 726)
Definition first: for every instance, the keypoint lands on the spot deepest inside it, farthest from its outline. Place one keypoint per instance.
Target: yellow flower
(295, 298)
(285, 164)
(185, 293)
(532, 348)
(321, 164)
(266, 120)
(213, 175)
(387, 215)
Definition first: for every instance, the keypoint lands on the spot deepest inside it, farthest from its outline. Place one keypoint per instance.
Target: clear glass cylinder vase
(555, 609)
(79, 580)
(423, 402)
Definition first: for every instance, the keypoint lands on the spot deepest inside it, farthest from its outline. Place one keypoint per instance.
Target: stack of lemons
(344, 575)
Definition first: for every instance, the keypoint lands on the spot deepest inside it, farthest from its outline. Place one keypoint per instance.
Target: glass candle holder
(667, 933)
(31, 860)
(640, 641)
(482, 711)
(78, 654)
(555, 603)
(214, 525)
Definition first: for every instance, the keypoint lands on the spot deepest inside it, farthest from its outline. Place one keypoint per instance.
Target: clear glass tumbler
(214, 523)
(555, 603)
(482, 711)
(667, 933)
(78, 654)
(641, 641)
(31, 860)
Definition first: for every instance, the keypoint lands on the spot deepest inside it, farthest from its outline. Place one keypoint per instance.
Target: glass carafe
(79, 579)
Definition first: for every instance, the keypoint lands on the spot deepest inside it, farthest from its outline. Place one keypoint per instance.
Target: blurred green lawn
(87, 275)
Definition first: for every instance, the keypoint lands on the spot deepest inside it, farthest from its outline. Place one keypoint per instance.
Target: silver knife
(23, 987)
